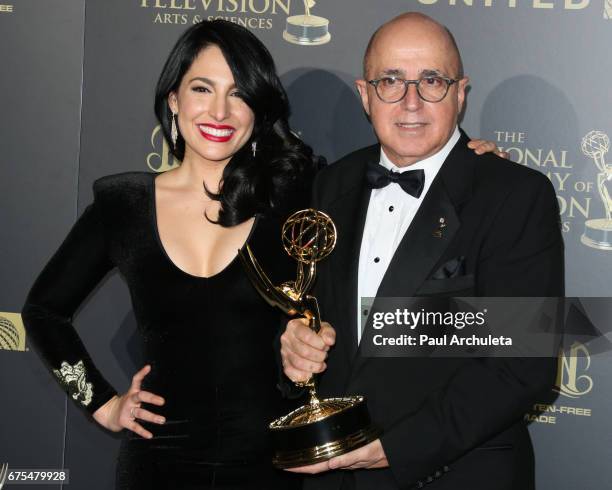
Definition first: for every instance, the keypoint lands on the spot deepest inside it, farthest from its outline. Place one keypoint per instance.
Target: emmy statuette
(325, 428)
(598, 232)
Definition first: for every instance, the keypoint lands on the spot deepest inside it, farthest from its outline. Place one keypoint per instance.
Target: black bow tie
(411, 181)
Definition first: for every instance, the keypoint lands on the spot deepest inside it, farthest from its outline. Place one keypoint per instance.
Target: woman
(197, 413)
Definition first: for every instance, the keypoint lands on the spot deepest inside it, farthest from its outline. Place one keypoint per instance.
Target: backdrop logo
(572, 5)
(574, 194)
(598, 232)
(160, 159)
(253, 14)
(307, 29)
(6, 9)
(571, 380)
(12, 332)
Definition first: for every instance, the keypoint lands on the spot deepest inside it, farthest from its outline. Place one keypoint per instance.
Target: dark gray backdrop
(76, 88)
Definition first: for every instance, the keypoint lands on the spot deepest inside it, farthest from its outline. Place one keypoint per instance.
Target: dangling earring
(174, 131)
(254, 148)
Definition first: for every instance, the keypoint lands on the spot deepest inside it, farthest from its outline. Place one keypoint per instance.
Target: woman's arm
(72, 273)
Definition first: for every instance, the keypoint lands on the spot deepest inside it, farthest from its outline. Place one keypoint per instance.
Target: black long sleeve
(72, 273)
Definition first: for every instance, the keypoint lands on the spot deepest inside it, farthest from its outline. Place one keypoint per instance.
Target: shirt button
(377, 260)
(365, 312)
(391, 208)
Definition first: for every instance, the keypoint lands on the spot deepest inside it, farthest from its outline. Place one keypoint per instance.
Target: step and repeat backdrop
(77, 81)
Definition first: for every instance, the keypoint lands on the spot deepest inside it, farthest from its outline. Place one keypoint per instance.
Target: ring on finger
(132, 413)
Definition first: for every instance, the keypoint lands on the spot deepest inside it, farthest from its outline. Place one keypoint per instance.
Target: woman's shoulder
(122, 183)
(119, 193)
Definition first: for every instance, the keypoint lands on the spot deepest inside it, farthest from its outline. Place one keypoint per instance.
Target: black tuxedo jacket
(448, 423)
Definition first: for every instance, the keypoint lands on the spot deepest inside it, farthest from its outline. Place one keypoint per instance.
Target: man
(450, 423)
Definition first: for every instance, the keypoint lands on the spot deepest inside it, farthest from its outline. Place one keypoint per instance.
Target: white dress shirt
(390, 212)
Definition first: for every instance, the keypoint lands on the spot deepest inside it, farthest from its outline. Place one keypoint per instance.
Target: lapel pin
(441, 226)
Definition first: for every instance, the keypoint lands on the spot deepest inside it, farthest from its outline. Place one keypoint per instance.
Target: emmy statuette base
(320, 431)
(307, 30)
(598, 234)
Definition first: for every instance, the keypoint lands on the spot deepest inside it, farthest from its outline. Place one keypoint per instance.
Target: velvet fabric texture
(209, 342)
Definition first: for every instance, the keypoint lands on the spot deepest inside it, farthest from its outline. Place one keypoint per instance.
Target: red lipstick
(219, 133)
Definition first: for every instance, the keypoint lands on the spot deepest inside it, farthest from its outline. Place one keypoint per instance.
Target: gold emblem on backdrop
(161, 159)
(571, 380)
(12, 332)
(598, 232)
(6, 9)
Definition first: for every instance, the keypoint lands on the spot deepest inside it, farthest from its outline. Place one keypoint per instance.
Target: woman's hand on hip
(123, 412)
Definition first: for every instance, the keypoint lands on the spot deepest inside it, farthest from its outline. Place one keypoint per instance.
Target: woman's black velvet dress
(209, 342)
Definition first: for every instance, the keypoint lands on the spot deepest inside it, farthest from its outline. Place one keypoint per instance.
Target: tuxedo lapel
(349, 213)
(431, 231)
(433, 226)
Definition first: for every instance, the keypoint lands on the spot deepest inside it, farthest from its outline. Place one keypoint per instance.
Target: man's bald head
(424, 24)
(406, 51)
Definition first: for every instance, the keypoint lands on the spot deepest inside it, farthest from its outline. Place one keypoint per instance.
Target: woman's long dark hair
(278, 179)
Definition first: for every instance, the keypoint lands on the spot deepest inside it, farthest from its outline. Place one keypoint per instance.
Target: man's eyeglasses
(431, 88)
